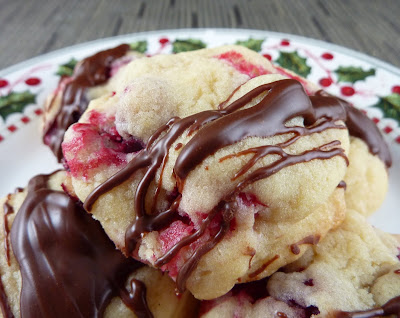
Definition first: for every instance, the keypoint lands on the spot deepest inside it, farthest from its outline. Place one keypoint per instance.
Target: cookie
(366, 179)
(209, 169)
(70, 99)
(355, 268)
(58, 262)
(353, 272)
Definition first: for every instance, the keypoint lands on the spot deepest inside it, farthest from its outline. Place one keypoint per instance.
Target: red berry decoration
(388, 129)
(3, 83)
(285, 43)
(12, 128)
(163, 40)
(38, 111)
(268, 56)
(327, 56)
(25, 119)
(376, 120)
(325, 82)
(396, 89)
(347, 91)
(33, 81)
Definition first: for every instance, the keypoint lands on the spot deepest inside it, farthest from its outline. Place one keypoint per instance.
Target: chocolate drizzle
(342, 184)
(311, 240)
(8, 209)
(359, 125)
(285, 100)
(92, 71)
(280, 102)
(263, 267)
(69, 266)
(391, 308)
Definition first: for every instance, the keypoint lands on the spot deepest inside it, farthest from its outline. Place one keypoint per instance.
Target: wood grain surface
(30, 28)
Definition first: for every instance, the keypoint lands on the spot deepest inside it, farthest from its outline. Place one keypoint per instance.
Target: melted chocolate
(391, 308)
(311, 239)
(359, 125)
(285, 100)
(342, 184)
(263, 267)
(282, 101)
(92, 71)
(69, 266)
(5, 306)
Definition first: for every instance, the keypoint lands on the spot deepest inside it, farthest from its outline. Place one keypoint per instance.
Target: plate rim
(320, 43)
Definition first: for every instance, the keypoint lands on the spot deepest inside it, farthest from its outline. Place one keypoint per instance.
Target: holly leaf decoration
(67, 69)
(390, 105)
(139, 46)
(187, 45)
(294, 62)
(252, 44)
(353, 74)
(15, 103)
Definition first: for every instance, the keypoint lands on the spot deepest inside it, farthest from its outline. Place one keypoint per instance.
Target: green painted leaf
(252, 44)
(15, 103)
(390, 105)
(139, 46)
(294, 62)
(67, 69)
(353, 74)
(187, 45)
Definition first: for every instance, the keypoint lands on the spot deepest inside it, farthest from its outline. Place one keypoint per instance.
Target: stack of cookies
(201, 184)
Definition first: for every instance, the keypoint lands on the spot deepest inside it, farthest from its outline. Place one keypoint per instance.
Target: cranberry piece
(250, 199)
(312, 310)
(121, 145)
(309, 282)
(308, 311)
(132, 145)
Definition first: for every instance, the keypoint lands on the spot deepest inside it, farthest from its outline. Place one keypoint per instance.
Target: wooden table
(30, 28)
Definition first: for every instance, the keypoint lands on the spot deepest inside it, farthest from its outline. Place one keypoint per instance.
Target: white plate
(366, 82)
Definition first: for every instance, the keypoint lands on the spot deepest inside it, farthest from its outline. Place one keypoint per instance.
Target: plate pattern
(367, 86)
